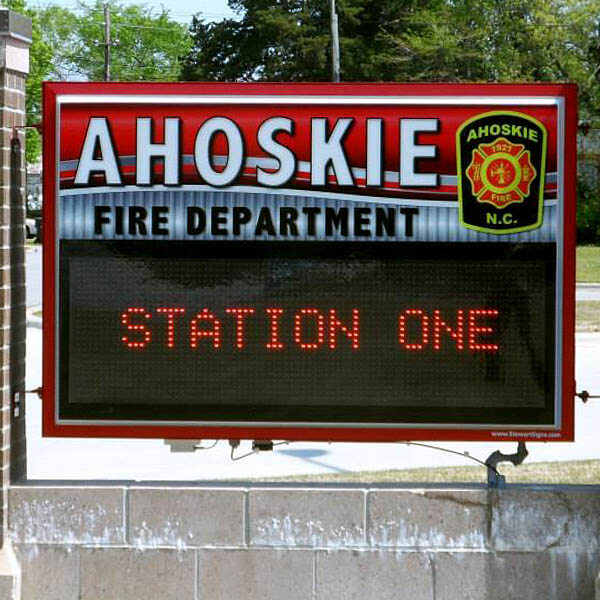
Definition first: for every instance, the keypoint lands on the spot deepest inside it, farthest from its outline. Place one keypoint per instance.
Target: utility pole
(335, 43)
(107, 42)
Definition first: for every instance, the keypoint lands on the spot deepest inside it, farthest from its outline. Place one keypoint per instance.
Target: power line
(137, 26)
(80, 8)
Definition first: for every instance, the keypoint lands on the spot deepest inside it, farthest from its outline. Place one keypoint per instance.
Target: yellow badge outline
(542, 173)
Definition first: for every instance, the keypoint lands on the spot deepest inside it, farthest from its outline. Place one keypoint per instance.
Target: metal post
(495, 480)
(335, 43)
(107, 42)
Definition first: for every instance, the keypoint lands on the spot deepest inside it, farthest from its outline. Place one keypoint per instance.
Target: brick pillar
(15, 39)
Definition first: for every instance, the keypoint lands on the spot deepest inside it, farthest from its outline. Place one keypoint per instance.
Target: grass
(588, 316)
(588, 264)
(568, 472)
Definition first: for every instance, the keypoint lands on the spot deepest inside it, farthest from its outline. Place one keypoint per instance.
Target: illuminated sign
(368, 262)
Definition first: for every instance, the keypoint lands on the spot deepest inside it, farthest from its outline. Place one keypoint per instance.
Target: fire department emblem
(501, 159)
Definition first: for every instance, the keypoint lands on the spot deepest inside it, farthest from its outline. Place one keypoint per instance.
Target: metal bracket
(18, 400)
(262, 446)
(188, 445)
(16, 128)
(177, 446)
(585, 396)
(495, 480)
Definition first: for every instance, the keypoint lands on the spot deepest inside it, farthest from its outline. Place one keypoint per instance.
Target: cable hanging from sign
(464, 454)
(267, 445)
(257, 446)
(199, 447)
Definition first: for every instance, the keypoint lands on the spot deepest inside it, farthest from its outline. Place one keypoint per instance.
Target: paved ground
(588, 292)
(34, 276)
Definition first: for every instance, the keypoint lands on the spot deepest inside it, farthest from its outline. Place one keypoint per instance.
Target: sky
(181, 10)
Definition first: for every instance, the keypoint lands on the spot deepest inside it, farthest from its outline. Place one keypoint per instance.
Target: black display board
(307, 332)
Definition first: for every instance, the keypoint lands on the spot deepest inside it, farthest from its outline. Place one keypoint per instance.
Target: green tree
(67, 45)
(412, 40)
(404, 40)
(40, 63)
(147, 43)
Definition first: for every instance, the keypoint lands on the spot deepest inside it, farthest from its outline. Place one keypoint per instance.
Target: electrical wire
(206, 447)
(464, 454)
(254, 451)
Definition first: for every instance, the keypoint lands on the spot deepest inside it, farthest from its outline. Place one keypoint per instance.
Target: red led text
(418, 329)
(309, 329)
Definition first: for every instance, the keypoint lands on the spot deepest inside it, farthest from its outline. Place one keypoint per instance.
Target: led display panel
(365, 263)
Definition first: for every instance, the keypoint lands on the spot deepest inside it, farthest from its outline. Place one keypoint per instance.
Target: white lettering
(146, 150)
(409, 151)
(98, 135)
(374, 162)
(202, 151)
(325, 151)
(286, 158)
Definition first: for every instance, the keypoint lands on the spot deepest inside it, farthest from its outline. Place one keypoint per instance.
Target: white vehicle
(30, 228)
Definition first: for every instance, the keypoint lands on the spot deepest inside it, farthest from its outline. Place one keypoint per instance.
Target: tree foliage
(412, 40)
(40, 61)
(147, 43)
(404, 40)
(588, 213)
(68, 45)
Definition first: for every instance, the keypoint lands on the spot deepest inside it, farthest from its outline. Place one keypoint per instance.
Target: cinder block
(185, 517)
(583, 531)
(427, 518)
(515, 576)
(255, 574)
(82, 515)
(532, 520)
(315, 518)
(462, 576)
(128, 574)
(376, 575)
(49, 572)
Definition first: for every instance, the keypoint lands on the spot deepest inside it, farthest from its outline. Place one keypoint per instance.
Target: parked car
(30, 228)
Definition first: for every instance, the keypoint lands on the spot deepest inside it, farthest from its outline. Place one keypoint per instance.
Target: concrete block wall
(309, 543)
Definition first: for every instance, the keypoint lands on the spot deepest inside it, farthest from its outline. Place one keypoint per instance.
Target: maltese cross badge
(501, 160)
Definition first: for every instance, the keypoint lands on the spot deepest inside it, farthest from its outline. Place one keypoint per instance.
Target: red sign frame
(566, 96)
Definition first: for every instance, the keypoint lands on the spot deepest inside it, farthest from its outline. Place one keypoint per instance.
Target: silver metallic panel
(435, 221)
